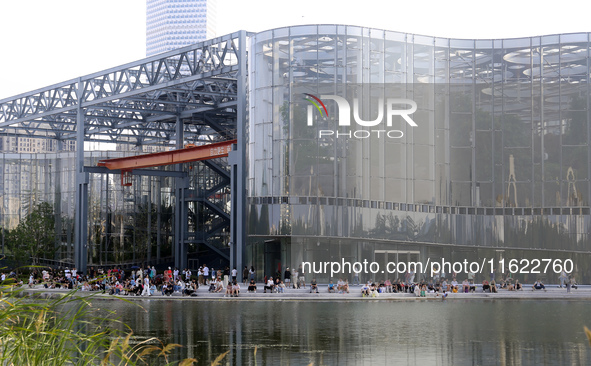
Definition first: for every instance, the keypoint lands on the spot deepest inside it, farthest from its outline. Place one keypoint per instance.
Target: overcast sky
(43, 42)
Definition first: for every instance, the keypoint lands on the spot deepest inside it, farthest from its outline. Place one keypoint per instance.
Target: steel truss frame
(195, 93)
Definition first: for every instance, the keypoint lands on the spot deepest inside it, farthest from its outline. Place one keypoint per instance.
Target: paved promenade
(553, 292)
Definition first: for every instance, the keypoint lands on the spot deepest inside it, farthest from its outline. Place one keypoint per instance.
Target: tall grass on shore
(68, 330)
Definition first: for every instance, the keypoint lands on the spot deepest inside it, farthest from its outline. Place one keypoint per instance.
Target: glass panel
(461, 194)
(484, 156)
(460, 167)
(423, 162)
(575, 124)
(395, 164)
(395, 190)
(424, 191)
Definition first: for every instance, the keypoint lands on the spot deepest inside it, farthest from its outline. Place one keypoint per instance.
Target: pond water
(458, 332)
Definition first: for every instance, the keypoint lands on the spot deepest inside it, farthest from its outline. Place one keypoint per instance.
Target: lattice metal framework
(139, 100)
(190, 94)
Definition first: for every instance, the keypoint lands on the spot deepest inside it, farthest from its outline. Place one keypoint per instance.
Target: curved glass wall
(498, 166)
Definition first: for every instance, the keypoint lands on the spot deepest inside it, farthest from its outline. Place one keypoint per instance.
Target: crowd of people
(147, 282)
(420, 288)
(342, 286)
(136, 281)
(442, 286)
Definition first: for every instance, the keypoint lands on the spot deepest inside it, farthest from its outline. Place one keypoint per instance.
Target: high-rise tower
(172, 24)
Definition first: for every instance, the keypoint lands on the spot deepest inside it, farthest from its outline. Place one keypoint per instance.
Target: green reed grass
(68, 330)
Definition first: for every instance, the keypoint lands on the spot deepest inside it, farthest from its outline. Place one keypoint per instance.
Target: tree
(34, 237)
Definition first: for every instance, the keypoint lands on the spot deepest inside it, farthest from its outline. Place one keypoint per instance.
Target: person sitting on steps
(313, 286)
(538, 285)
(365, 290)
(252, 286)
(229, 290)
(331, 287)
(269, 286)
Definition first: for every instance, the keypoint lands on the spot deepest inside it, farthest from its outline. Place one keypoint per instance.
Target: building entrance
(397, 259)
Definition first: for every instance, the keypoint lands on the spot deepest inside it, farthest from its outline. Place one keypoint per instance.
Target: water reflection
(452, 332)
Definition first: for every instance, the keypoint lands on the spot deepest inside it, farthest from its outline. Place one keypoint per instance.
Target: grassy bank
(67, 330)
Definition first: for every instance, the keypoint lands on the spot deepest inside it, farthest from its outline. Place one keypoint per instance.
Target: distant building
(172, 24)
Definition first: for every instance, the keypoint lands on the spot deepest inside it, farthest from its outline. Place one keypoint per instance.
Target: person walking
(200, 276)
(226, 275)
(245, 275)
(287, 277)
(563, 278)
(146, 290)
(296, 277)
(302, 277)
(205, 274)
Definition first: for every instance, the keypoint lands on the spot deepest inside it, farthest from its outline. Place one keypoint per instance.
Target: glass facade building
(497, 168)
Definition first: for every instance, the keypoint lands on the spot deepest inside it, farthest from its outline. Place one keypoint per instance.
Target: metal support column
(108, 218)
(57, 206)
(159, 219)
(233, 161)
(180, 208)
(238, 161)
(81, 204)
(149, 204)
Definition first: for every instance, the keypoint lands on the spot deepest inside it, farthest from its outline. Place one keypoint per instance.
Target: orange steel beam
(186, 155)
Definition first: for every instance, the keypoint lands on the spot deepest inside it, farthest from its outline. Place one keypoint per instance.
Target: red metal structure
(186, 155)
